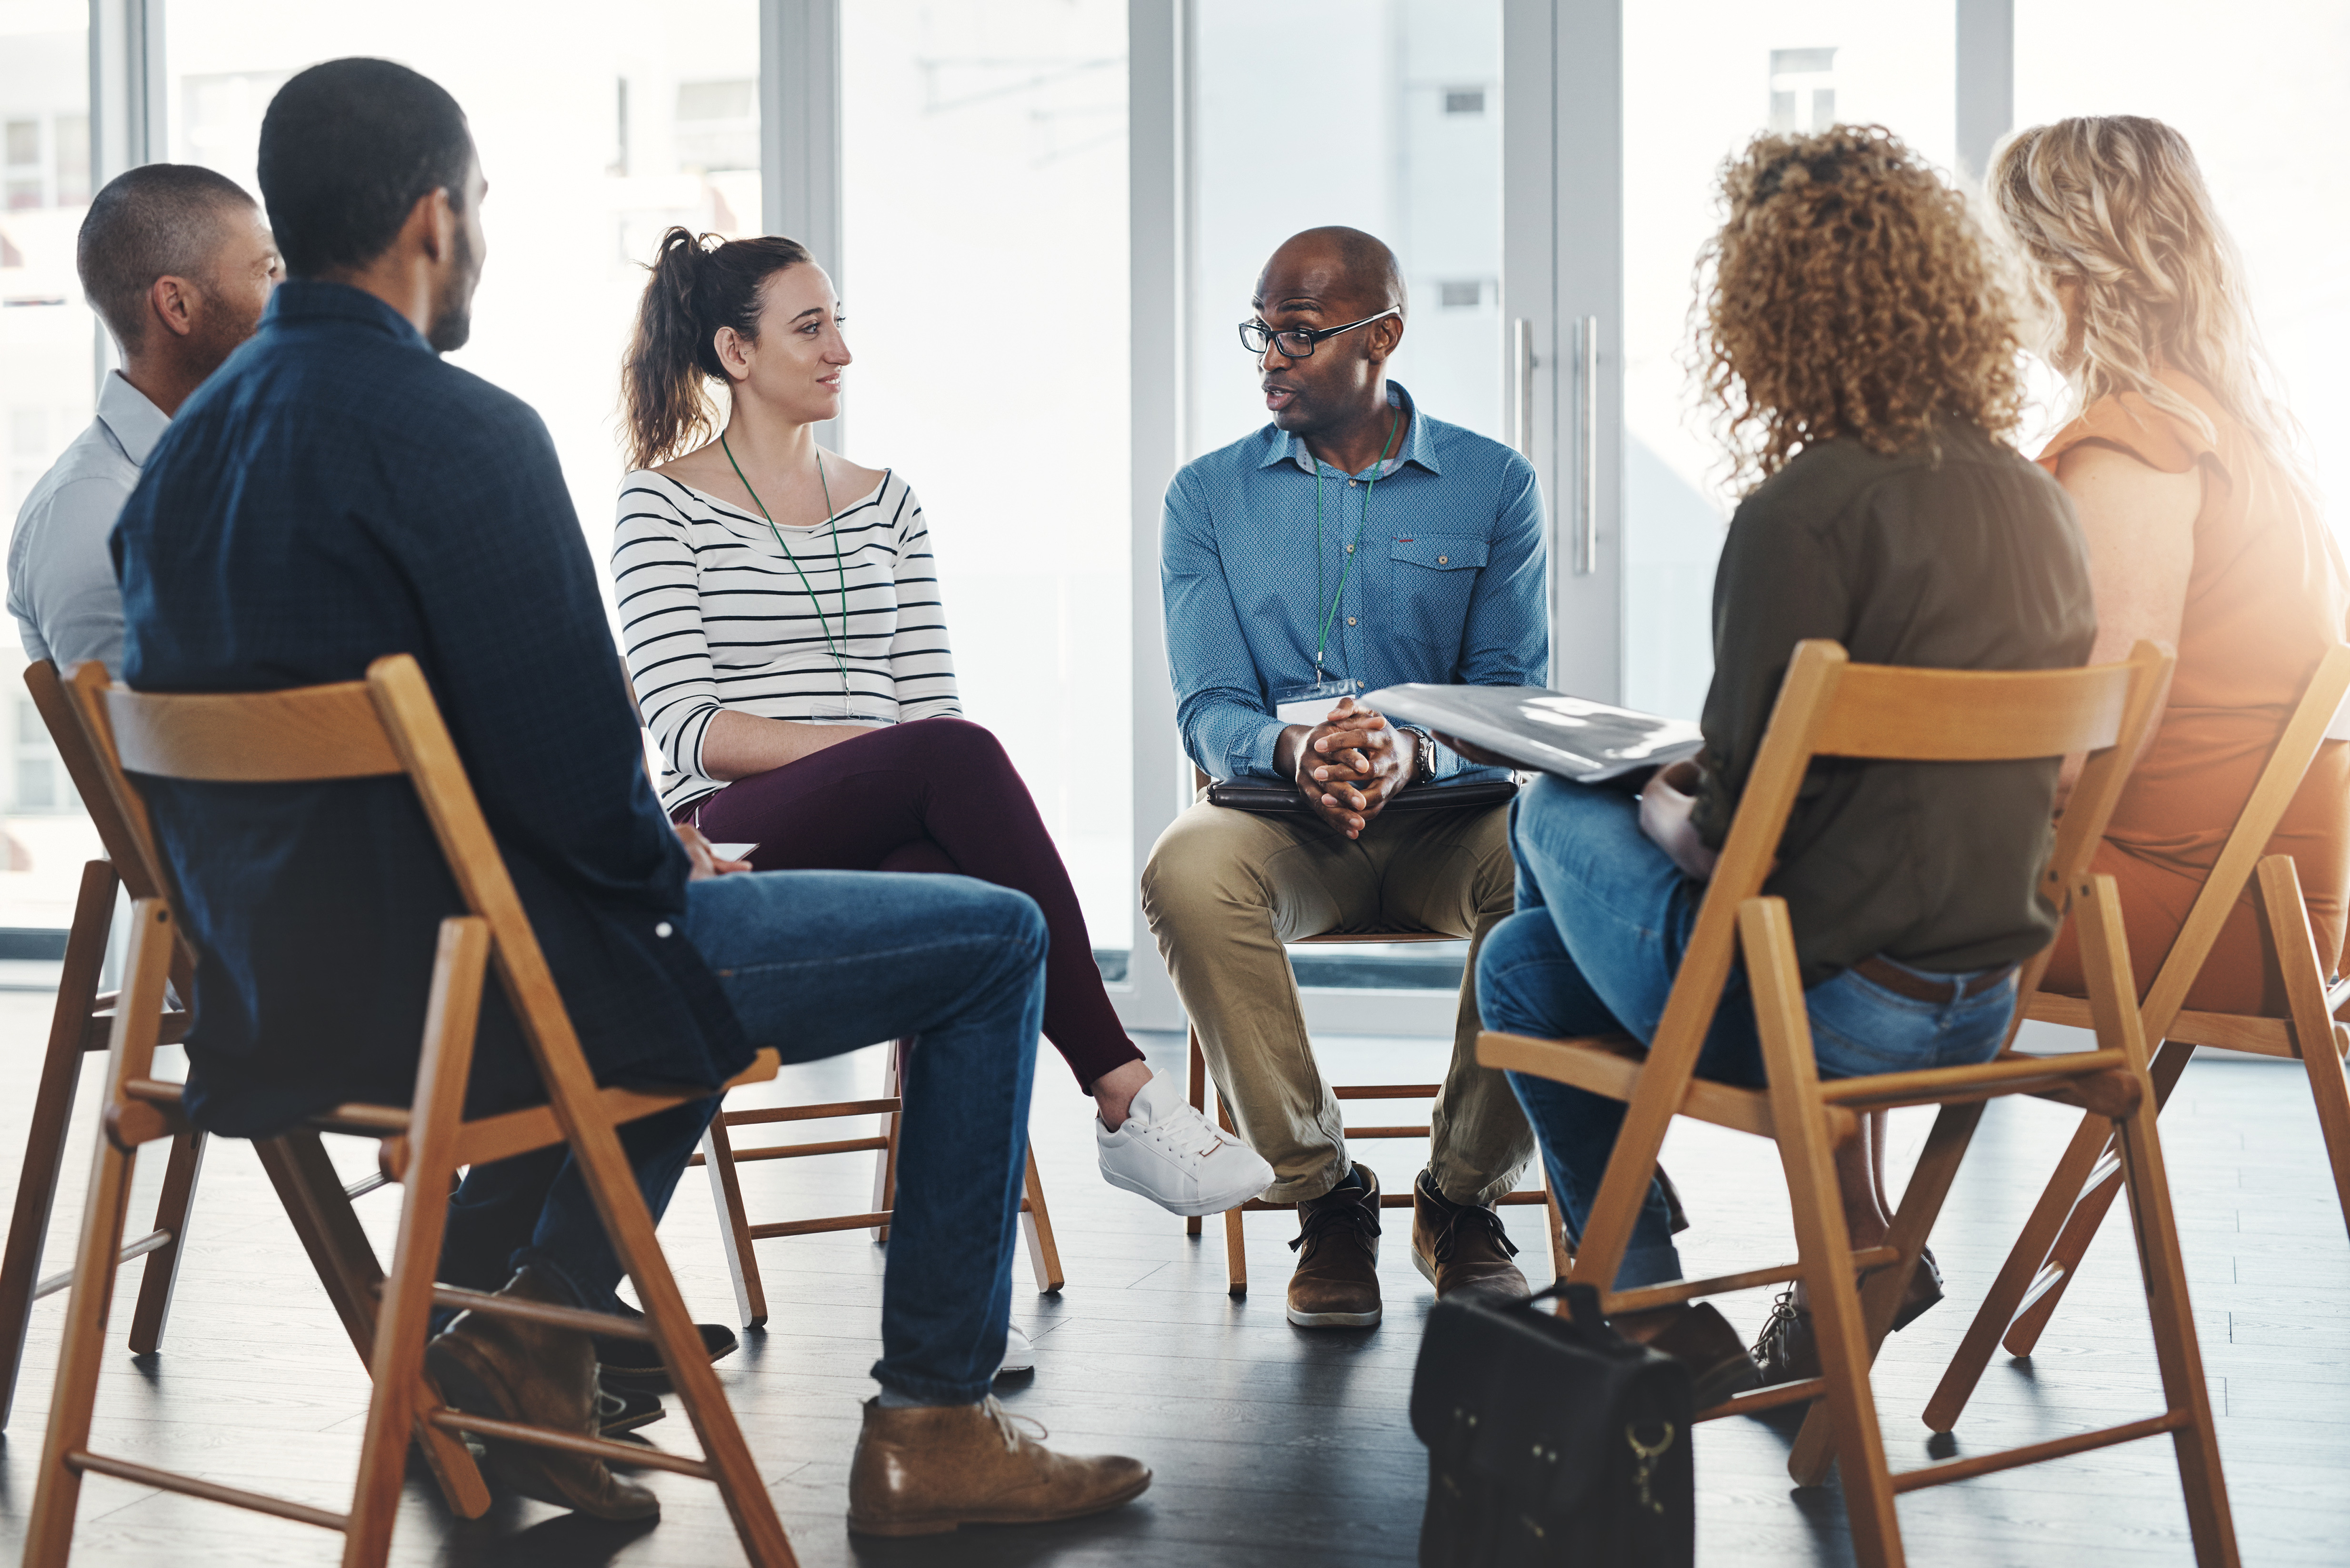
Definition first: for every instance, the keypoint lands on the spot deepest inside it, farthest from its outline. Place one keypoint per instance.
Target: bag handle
(1583, 1311)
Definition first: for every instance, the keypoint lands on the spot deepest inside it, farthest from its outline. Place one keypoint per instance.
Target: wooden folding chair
(736, 1233)
(82, 1023)
(382, 726)
(1196, 1086)
(1828, 707)
(2054, 1240)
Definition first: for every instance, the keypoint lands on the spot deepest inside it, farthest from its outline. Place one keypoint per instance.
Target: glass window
(1412, 91)
(1699, 81)
(1413, 87)
(631, 115)
(2260, 100)
(985, 281)
(47, 373)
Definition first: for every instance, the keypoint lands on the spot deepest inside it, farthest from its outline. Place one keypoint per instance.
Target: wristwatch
(1423, 753)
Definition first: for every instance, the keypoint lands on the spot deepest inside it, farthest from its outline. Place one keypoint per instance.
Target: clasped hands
(1347, 766)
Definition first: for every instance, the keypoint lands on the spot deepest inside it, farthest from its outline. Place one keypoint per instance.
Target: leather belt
(1918, 988)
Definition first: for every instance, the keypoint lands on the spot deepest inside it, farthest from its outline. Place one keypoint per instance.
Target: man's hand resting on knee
(1347, 766)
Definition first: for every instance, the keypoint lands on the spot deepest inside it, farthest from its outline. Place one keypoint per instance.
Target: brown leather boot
(1461, 1246)
(1337, 1285)
(516, 1370)
(926, 1469)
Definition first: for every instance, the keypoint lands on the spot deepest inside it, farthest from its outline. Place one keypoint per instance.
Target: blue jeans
(1602, 919)
(816, 963)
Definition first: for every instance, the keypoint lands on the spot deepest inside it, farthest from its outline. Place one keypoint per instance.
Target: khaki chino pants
(1225, 888)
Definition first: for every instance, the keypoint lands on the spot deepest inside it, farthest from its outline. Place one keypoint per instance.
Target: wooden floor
(1272, 1446)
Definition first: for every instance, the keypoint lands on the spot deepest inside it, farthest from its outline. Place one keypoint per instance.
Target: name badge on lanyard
(1310, 704)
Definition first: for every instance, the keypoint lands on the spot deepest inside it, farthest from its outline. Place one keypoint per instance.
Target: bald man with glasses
(1353, 542)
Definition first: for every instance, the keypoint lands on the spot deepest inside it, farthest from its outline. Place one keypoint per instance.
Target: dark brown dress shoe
(928, 1469)
(1696, 1334)
(1786, 1351)
(637, 1362)
(516, 1370)
(1461, 1246)
(1337, 1285)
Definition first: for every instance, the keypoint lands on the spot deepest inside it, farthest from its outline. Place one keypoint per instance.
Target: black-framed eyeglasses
(1297, 342)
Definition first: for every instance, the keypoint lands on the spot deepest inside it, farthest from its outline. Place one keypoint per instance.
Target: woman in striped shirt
(788, 648)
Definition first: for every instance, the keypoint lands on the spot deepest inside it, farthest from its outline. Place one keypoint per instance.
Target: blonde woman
(2201, 532)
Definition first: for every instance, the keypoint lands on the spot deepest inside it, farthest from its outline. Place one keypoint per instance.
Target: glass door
(1384, 117)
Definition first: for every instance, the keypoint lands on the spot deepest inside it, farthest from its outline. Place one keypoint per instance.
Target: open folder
(1548, 732)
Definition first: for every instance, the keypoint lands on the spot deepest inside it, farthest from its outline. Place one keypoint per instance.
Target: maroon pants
(938, 795)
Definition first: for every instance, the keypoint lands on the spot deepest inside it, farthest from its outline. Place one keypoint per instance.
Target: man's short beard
(452, 319)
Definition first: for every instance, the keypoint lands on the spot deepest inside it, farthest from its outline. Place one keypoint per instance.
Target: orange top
(2266, 596)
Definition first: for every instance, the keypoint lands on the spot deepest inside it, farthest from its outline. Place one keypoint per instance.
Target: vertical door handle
(1587, 447)
(1522, 423)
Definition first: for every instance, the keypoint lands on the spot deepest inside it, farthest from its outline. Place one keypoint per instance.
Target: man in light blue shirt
(1353, 543)
(178, 262)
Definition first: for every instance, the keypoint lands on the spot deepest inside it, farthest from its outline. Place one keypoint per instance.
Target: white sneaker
(1173, 1156)
(1019, 1355)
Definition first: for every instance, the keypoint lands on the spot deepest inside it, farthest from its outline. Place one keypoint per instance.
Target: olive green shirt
(1957, 554)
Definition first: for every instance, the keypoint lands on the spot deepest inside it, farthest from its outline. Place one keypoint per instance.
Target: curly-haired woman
(784, 635)
(1855, 333)
(2201, 533)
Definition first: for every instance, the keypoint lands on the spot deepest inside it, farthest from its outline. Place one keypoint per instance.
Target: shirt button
(1442, 560)
(1350, 621)
(1350, 549)
(1352, 482)
(663, 929)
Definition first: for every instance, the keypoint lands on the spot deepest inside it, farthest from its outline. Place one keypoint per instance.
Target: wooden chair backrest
(385, 725)
(1828, 706)
(2314, 719)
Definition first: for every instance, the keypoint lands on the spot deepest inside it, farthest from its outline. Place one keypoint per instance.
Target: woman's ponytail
(699, 284)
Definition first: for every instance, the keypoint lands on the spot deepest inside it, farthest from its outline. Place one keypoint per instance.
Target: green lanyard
(1330, 613)
(840, 569)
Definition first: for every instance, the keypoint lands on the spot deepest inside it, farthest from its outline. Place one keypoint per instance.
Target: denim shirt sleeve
(1220, 704)
(1505, 640)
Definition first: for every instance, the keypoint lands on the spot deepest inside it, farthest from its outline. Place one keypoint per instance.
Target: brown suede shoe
(1696, 1334)
(927, 1469)
(517, 1370)
(1337, 1285)
(1461, 1246)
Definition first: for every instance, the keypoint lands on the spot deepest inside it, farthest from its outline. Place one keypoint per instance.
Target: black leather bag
(1551, 1443)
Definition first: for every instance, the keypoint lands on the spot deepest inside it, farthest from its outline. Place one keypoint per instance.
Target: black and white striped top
(714, 616)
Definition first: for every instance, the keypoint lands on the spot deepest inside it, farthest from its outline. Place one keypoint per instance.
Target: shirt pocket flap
(1445, 553)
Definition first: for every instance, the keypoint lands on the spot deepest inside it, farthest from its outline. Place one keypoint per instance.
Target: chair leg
(1036, 1228)
(2112, 1000)
(1913, 1222)
(1195, 1084)
(162, 1269)
(45, 1141)
(885, 1159)
(2081, 1225)
(48, 1534)
(2015, 1276)
(1235, 1237)
(1822, 1243)
(2318, 1038)
(1562, 1256)
(57, 1494)
(311, 1191)
(401, 1396)
(734, 1224)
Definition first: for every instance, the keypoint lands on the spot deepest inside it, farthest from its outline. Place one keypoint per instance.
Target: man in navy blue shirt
(1353, 542)
(337, 492)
